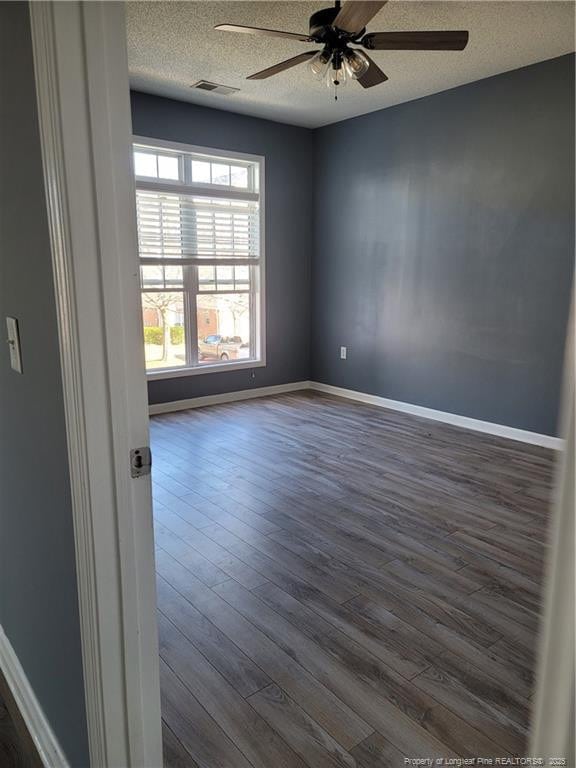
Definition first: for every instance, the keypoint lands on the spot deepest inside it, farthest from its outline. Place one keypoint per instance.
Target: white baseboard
(500, 430)
(226, 397)
(32, 713)
(466, 422)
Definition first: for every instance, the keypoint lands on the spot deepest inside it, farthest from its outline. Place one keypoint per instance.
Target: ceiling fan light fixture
(356, 63)
(319, 64)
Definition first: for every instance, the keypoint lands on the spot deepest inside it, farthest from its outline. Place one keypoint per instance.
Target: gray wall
(444, 247)
(38, 594)
(289, 161)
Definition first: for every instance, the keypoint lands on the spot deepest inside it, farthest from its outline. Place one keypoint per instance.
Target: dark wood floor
(341, 585)
(16, 747)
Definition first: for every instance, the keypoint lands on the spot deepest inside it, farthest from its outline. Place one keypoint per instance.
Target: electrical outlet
(343, 353)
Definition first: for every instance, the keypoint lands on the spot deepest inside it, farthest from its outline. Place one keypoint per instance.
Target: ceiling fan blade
(355, 14)
(415, 41)
(261, 31)
(277, 68)
(373, 76)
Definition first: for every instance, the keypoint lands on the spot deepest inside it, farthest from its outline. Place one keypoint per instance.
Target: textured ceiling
(173, 44)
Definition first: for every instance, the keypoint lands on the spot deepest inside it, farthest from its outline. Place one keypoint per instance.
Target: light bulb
(356, 63)
(318, 64)
(336, 77)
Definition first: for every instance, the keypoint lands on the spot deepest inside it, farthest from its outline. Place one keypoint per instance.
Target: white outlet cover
(343, 353)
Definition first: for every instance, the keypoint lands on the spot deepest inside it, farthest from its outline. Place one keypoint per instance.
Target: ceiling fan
(339, 27)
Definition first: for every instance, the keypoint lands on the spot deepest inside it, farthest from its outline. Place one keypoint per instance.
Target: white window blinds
(184, 226)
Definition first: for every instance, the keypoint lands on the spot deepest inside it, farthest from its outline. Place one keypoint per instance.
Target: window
(200, 217)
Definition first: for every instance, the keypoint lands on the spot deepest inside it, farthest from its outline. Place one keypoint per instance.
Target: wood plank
(17, 747)
(311, 742)
(377, 752)
(168, 501)
(211, 550)
(202, 568)
(234, 513)
(273, 560)
(475, 705)
(13, 753)
(325, 617)
(349, 654)
(421, 609)
(175, 755)
(391, 704)
(336, 717)
(476, 544)
(251, 734)
(240, 671)
(193, 727)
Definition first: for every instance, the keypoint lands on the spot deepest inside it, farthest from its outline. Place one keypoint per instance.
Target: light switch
(343, 353)
(14, 344)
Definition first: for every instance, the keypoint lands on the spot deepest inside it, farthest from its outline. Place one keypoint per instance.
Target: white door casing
(84, 116)
(553, 725)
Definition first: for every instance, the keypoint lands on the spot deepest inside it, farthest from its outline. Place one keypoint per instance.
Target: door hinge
(140, 461)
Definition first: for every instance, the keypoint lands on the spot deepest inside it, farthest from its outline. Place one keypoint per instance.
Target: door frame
(552, 726)
(81, 73)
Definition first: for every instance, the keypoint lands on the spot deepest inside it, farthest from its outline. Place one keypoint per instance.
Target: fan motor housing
(321, 19)
(323, 31)
(321, 28)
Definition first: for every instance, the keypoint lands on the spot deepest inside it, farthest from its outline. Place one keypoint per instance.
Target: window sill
(173, 373)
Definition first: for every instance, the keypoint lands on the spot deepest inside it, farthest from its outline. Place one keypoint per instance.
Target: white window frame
(143, 182)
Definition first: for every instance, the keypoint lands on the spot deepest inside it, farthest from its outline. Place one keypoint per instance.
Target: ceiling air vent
(205, 85)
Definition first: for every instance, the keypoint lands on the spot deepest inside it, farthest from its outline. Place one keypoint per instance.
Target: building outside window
(200, 215)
